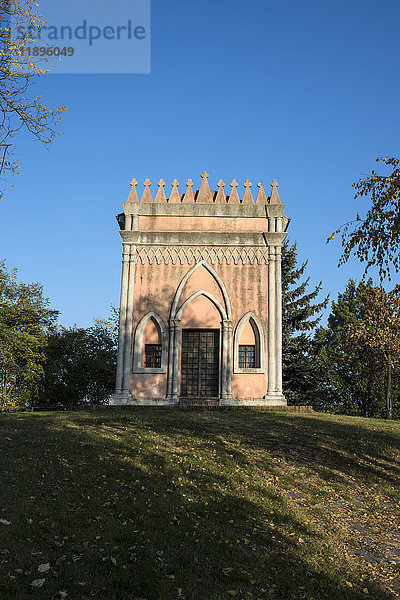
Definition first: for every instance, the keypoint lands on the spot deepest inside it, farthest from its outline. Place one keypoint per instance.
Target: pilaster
(271, 322)
(122, 318)
(129, 320)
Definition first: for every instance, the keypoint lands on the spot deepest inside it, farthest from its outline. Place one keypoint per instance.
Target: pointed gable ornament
(146, 198)
(261, 197)
(234, 197)
(175, 197)
(205, 195)
(160, 196)
(220, 199)
(248, 196)
(274, 198)
(133, 197)
(189, 196)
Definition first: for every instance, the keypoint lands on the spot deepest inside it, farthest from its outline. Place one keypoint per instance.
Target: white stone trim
(260, 344)
(122, 318)
(271, 323)
(217, 279)
(129, 320)
(138, 345)
(196, 295)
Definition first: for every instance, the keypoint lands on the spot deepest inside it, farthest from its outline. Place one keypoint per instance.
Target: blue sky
(304, 92)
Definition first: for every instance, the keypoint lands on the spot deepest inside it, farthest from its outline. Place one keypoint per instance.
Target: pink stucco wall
(155, 288)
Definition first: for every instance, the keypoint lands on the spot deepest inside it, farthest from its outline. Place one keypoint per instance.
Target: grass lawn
(162, 505)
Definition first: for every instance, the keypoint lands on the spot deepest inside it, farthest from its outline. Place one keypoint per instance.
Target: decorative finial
(274, 198)
(205, 195)
(189, 197)
(133, 197)
(160, 196)
(248, 197)
(175, 197)
(220, 198)
(146, 198)
(234, 197)
(261, 197)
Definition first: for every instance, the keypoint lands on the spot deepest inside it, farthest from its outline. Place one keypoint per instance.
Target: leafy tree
(25, 319)
(299, 317)
(375, 239)
(20, 109)
(80, 366)
(355, 366)
(379, 331)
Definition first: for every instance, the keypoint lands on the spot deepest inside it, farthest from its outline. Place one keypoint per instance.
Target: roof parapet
(204, 195)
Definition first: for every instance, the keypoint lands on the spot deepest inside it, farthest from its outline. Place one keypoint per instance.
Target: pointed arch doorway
(200, 359)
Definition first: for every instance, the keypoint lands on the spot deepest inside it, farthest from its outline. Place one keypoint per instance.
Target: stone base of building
(266, 401)
(126, 399)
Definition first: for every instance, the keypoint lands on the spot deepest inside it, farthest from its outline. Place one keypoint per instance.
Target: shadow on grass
(154, 506)
(361, 448)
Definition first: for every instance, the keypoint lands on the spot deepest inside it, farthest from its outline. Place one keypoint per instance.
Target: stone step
(197, 403)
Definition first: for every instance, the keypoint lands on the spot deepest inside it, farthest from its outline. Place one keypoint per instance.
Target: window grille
(152, 356)
(247, 357)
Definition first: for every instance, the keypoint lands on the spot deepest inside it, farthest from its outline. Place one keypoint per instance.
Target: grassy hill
(164, 505)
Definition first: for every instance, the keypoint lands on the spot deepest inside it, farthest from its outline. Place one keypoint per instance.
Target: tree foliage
(354, 350)
(80, 366)
(379, 330)
(375, 239)
(20, 109)
(25, 319)
(299, 317)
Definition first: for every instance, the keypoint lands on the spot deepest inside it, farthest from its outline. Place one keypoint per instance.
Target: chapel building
(201, 297)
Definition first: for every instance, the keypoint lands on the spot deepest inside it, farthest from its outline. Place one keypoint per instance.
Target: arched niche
(206, 295)
(249, 331)
(153, 326)
(227, 309)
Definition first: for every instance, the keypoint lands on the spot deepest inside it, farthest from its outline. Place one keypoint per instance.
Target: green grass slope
(164, 505)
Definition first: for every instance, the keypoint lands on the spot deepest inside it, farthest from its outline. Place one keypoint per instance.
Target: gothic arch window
(249, 346)
(150, 345)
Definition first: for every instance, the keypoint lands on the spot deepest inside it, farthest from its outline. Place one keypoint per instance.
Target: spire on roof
(261, 197)
(205, 194)
(160, 196)
(189, 197)
(175, 197)
(220, 198)
(274, 198)
(248, 196)
(146, 198)
(133, 197)
(234, 197)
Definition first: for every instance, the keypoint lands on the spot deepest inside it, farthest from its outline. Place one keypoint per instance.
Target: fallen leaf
(37, 582)
(43, 568)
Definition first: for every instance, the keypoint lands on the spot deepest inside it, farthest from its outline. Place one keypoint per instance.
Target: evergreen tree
(299, 317)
